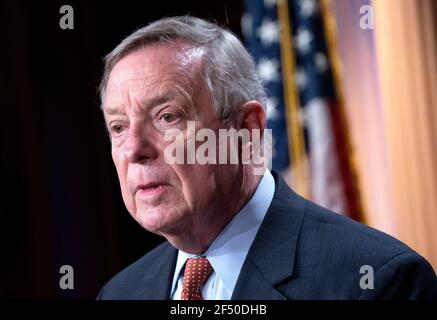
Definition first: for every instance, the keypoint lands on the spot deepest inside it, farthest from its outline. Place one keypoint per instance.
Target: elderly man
(231, 233)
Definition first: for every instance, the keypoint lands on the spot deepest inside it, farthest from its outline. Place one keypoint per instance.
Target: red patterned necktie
(197, 270)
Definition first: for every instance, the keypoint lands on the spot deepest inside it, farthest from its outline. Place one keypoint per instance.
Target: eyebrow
(112, 110)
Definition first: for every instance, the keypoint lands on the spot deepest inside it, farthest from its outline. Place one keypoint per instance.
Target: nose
(139, 145)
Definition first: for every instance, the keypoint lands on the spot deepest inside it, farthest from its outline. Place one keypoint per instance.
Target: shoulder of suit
(136, 270)
(339, 232)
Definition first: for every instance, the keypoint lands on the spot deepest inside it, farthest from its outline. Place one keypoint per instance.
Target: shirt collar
(229, 249)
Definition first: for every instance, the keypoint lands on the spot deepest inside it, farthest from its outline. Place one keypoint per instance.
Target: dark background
(60, 199)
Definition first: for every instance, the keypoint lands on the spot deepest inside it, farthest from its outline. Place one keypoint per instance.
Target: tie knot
(197, 270)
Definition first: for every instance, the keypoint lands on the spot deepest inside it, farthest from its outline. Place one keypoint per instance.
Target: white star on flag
(303, 40)
(301, 78)
(268, 32)
(269, 3)
(272, 111)
(268, 69)
(308, 7)
(247, 25)
(321, 62)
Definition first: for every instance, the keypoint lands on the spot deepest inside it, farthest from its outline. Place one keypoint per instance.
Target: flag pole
(295, 134)
(330, 28)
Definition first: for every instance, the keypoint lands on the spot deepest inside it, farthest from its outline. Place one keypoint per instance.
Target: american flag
(330, 177)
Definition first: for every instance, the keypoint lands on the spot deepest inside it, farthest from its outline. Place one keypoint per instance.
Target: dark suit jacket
(301, 251)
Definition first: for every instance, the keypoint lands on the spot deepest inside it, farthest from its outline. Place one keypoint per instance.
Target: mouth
(151, 189)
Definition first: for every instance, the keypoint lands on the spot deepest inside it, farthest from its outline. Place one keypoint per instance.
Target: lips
(151, 188)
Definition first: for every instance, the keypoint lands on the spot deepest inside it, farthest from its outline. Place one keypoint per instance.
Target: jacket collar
(271, 258)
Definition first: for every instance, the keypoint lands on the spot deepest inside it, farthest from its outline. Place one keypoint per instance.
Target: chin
(158, 220)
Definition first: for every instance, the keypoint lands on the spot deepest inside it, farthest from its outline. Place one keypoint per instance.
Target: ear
(251, 116)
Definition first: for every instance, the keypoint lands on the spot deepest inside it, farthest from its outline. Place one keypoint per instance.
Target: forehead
(154, 67)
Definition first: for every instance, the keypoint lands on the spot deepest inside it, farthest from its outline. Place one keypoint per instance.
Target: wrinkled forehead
(156, 65)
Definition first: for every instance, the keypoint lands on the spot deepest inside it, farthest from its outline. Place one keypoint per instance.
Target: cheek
(198, 183)
(121, 167)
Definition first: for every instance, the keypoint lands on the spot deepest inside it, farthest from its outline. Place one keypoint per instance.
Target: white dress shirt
(229, 249)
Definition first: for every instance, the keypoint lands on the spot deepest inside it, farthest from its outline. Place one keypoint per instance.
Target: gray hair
(228, 71)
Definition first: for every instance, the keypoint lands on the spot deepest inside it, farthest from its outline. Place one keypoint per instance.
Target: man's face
(149, 91)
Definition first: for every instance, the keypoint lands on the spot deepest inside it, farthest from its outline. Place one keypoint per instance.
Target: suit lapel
(271, 257)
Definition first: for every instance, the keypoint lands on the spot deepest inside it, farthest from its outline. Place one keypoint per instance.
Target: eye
(117, 128)
(168, 117)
